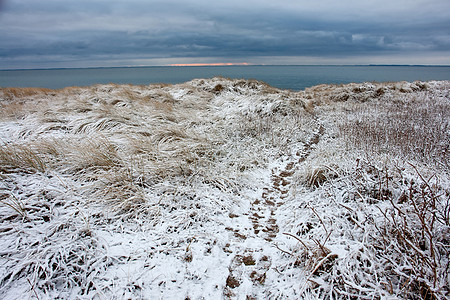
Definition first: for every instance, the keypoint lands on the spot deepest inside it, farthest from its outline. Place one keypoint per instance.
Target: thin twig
(320, 219)
(32, 288)
(297, 238)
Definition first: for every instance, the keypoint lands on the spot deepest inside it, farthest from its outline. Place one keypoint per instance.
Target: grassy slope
(225, 188)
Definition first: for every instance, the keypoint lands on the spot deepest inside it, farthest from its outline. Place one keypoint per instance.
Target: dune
(225, 188)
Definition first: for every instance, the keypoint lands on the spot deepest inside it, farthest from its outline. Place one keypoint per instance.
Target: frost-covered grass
(221, 188)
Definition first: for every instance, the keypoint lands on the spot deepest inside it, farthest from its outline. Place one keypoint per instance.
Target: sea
(284, 77)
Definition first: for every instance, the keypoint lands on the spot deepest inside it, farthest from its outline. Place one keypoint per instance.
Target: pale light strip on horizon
(209, 64)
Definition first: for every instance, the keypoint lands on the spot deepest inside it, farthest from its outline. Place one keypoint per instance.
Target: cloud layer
(55, 33)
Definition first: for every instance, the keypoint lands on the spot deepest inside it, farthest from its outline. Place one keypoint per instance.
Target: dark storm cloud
(33, 31)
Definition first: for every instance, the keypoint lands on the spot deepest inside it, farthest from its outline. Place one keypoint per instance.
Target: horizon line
(210, 64)
(230, 64)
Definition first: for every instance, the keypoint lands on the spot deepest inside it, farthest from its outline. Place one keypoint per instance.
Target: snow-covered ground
(220, 188)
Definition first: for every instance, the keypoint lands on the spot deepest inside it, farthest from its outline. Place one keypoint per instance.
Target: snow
(215, 188)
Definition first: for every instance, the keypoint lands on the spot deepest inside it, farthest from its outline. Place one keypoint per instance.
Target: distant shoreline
(219, 66)
(290, 77)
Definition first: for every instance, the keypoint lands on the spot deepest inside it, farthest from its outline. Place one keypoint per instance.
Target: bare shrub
(402, 237)
(413, 243)
(411, 240)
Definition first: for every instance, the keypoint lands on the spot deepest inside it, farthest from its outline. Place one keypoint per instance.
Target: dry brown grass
(416, 128)
(121, 190)
(20, 158)
(16, 109)
(17, 93)
(361, 92)
(318, 175)
(90, 155)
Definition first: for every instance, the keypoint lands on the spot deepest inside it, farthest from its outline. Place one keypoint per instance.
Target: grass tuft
(22, 158)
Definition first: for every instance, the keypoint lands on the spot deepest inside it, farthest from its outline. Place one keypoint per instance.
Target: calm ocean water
(285, 77)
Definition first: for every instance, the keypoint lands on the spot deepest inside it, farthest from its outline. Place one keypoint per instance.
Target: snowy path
(249, 268)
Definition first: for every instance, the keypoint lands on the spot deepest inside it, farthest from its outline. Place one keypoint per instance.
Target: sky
(101, 33)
